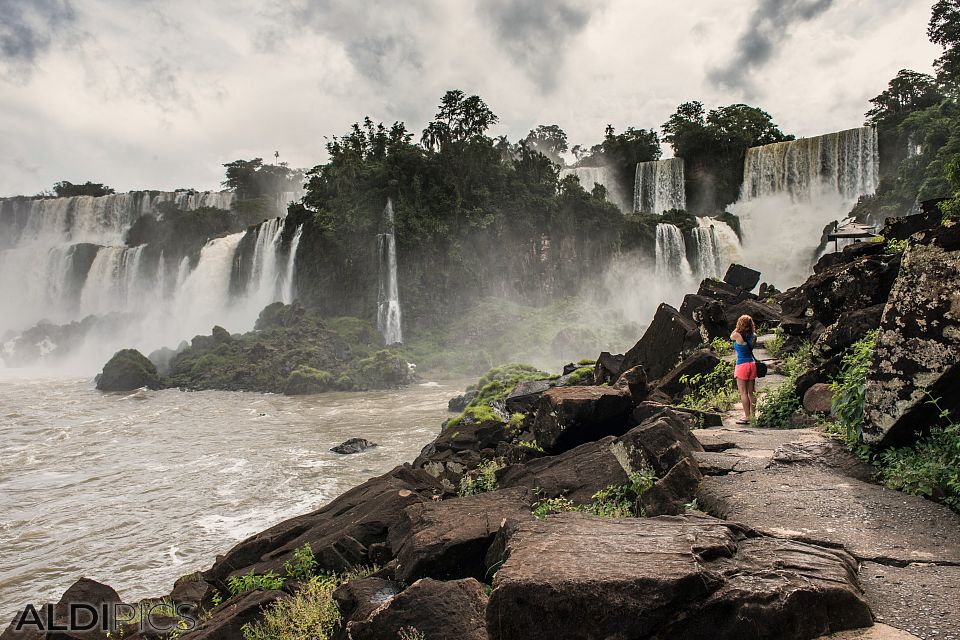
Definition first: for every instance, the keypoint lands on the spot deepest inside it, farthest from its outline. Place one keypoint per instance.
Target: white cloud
(159, 94)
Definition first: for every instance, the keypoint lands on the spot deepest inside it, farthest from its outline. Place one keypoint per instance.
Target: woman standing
(744, 337)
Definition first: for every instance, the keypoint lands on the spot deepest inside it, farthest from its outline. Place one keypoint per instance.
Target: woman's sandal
(742, 421)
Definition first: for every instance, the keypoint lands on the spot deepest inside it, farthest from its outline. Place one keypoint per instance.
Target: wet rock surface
(914, 598)
(354, 445)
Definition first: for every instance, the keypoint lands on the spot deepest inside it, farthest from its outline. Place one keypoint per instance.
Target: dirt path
(802, 485)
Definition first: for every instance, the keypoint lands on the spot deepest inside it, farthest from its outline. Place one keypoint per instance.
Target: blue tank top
(745, 351)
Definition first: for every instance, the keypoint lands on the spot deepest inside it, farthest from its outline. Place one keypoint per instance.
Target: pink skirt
(745, 371)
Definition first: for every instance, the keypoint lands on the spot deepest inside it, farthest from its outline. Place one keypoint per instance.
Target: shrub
(849, 389)
(310, 614)
(775, 346)
(481, 479)
(251, 581)
(931, 468)
(305, 380)
(776, 408)
(721, 347)
(711, 392)
(303, 565)
(580, 374)
(493, 387)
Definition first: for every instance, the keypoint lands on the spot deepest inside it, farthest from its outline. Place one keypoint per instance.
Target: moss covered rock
(305, 380)
(127, 370)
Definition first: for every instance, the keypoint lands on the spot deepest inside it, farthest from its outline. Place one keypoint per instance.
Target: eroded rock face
(576, 576)
(699, 362)
(452, 610)
(850, 327)
(918, 346)
(570, 416)
(662, 344)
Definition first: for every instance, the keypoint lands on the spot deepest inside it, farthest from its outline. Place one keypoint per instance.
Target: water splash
(659, 186)
(792, 190)
(388, 301)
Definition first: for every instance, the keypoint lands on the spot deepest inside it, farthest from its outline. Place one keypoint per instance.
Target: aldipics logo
(162, 617)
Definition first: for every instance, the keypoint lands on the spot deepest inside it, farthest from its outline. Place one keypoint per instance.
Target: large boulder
(849, 327)
(127, 370)
(634, 382)
(825, 296)
(448, 540)
(576, 474)
(700, 362)
(574, 576)
(340, 533)
(608, 367)
(570, 416)
(663, 343)
(525, 396)
(75, 603)
(438, 610)
(763, 313)
(918, 347)
(357, 599)
(742, 277)
(818, 398)
(723, 291)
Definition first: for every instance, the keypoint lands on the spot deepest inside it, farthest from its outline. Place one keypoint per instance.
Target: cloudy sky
(159, 93)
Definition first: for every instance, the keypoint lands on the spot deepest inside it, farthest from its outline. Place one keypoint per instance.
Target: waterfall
(606, 176)
(115, 282)
(671, 255)
(708, 253)
(846, 163)
(792, 190)
(388, 302)
(288, 289)
(659, 186)
(65, 259)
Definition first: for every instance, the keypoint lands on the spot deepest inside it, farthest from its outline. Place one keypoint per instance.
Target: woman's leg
(744, 397)
(752, 396)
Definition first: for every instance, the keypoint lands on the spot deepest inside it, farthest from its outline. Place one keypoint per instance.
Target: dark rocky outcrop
(723, 292)
(570, 416)
(607, 368)
(742, 277)
(634, 382)
(825, 296)
(918, 347)
(448, 540)
(86, 591)
(354, 445)
(849, 327)
(660, 348)
(668, 577)
(357, 599)
(453, 610)
(127, 370)
(648, 409)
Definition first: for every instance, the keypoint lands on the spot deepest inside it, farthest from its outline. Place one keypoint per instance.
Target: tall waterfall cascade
(64, 259)
(846, 163)
(388, 300)
(606, 176)
(659, 186)
(671, 254)
(792, 190)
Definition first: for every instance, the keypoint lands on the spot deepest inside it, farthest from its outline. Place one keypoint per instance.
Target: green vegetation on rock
(494, 387)
(311, 612)
(127, 370)
(776, 409)
(615, 501)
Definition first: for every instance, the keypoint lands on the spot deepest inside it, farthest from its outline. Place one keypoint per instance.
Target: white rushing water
(388, 300)
(671, 256)
(793, 190)
(659, 186)
(64, 259)
(135, 490)
(605, 176)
